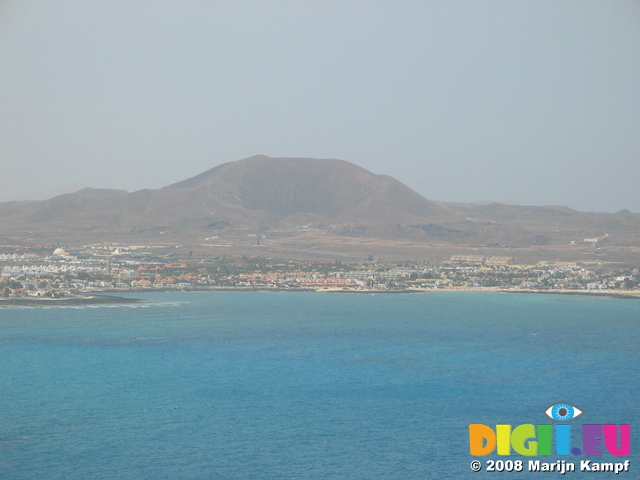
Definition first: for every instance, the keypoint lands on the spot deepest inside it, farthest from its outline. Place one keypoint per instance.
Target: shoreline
(627, 294)
(78, 300)
(106, 296)
(624, 294)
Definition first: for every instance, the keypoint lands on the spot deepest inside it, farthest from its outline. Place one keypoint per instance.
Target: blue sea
(292, 385)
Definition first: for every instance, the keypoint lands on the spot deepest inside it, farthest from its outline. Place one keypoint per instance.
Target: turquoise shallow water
(236, 385)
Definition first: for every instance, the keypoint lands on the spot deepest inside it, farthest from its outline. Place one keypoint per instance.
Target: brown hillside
(334, 189)
(256, 192)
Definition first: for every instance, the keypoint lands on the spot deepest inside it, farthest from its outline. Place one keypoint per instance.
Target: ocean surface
(291, 385)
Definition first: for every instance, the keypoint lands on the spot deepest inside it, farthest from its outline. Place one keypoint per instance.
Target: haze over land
(313, 207)
(525, 102)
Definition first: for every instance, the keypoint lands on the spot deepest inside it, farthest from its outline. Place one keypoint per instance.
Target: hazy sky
(530, 102)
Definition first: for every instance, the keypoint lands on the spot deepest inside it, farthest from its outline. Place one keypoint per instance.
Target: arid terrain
(318, 208)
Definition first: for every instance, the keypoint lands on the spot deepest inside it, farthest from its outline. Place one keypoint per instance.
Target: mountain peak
(332, 188)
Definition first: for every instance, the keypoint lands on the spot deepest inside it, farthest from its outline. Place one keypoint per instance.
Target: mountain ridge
(256, 189)
(337, 197)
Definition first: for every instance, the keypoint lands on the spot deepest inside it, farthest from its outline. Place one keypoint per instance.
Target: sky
(532, 102)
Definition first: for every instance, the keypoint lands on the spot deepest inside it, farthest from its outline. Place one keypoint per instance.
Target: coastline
(78, 300)
(106, 297)
(626, 294)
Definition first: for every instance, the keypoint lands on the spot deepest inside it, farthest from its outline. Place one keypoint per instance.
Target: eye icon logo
(563, 412)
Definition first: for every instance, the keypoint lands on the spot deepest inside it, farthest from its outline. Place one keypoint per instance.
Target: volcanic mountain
(284, 197)
(255, 192)
(334, 189)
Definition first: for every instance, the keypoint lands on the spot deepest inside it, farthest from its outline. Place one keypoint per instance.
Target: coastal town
(52, 272)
